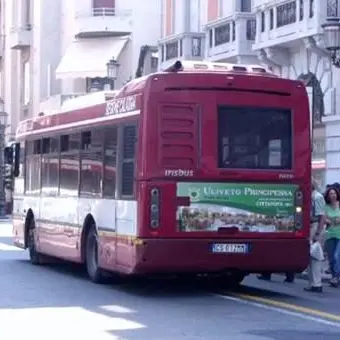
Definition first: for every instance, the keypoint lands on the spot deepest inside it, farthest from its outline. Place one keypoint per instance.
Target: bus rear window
(254, 138)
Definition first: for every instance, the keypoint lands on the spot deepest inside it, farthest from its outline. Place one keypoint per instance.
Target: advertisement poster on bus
(248, 207)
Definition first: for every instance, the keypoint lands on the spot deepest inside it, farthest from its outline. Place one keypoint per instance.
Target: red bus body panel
(166, 250)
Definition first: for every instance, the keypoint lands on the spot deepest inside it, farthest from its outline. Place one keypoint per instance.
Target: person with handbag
(332, 244)
(317, 224)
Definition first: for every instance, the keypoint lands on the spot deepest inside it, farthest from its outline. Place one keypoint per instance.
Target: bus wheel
(233, 280)
(229, 280)
(94, 272)
(35, 257)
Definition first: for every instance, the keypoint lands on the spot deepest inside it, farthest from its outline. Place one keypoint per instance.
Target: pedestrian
(336, 185)
(317, 224)
(267, 276)
(332, 244)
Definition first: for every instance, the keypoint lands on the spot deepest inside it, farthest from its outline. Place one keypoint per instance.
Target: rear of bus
(225, 177)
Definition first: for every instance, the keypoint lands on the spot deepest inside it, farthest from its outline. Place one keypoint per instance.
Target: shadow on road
(155, 288)
(138, 308)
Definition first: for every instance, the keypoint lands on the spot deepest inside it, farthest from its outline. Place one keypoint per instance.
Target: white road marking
(279, 310)
(76, 320)
(7, 247)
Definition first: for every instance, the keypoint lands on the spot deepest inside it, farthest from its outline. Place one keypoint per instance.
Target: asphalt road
(57, 302)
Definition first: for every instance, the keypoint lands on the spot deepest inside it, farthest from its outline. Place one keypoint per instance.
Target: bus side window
(69, 165)
(91, 162)
(128, 159)
(33, 168)
(50, 166)
(16, 170)
(110, 161)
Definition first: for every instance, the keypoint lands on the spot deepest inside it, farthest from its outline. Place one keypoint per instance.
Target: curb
(5, 218)
(304, 276)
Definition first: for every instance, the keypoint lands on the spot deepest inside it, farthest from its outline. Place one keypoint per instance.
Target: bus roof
(126, 101)
(192, 66)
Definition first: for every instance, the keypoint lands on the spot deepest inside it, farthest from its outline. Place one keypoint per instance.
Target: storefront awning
(87, 58)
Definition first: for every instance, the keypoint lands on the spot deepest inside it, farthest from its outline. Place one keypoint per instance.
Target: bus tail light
(298, 209)
(154, 208)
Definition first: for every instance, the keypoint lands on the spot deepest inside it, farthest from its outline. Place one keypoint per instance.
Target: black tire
(227, 281)
(95, 274)
(233, 280)
(35, 257)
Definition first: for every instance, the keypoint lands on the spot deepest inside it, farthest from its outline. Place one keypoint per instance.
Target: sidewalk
(325, 277)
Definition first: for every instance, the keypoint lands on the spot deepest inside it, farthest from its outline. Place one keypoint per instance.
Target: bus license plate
(230, 248)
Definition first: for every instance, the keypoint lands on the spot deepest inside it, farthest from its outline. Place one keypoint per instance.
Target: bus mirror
(8, 155)
(16, 168)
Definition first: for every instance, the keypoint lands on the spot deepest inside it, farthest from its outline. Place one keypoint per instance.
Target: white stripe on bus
(78, 124)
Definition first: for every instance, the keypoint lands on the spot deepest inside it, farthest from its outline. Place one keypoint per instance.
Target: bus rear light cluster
(154, 208)
(298, 209)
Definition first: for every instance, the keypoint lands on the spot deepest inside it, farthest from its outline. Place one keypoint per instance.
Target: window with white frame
(222, 34)
(286, 14)
(27, 14)
(171, 50)
(251, 29)
(26, 84)
(196, 47)
(311, 8)
(245, 5)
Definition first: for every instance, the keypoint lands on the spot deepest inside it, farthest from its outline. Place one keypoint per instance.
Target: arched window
(318, 108)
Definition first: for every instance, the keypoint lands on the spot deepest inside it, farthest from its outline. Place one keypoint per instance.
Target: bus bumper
(196, 256)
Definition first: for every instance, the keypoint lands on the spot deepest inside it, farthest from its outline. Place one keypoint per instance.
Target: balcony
(231, 38)
(282, 23)
(21, 37)
(102, 22)
(184, 46)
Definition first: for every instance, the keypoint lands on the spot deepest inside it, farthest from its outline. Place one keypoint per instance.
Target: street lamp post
(3, 125)
(112, 70)
(331, 31)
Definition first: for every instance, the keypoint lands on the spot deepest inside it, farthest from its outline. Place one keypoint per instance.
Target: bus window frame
(121, 160)
(117, 195)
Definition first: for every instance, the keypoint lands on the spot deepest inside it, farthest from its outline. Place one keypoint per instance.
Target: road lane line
(292, 310)
(296, 308)
(8, 247)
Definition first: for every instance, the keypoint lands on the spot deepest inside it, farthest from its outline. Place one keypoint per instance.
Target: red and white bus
(201, 169)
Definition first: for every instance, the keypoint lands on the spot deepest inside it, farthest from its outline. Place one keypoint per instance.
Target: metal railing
(23, 28)
(103, 12)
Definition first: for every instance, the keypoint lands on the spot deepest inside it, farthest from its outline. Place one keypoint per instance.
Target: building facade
(285, 35)
(58, 49)
(289, 38)
(214, 30)
(55, 50)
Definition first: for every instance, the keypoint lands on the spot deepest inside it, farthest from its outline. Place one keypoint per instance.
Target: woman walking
(332, 245)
